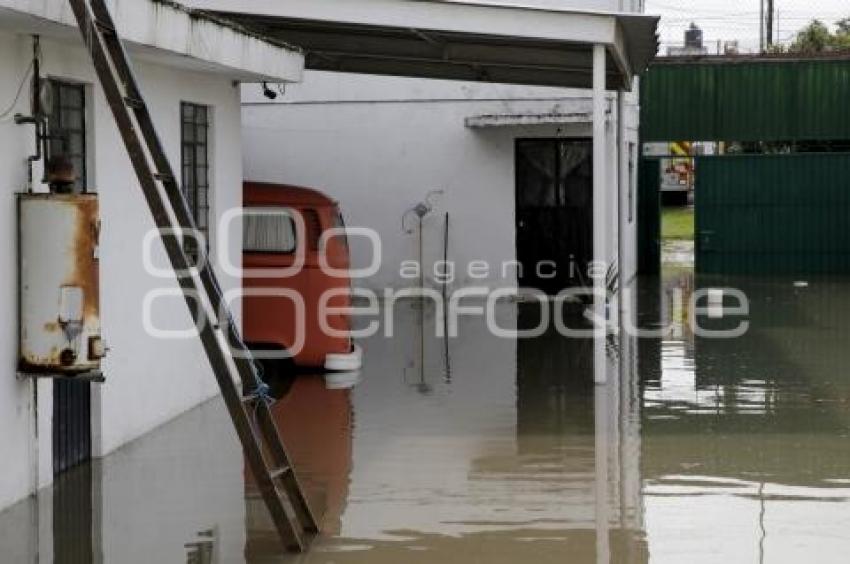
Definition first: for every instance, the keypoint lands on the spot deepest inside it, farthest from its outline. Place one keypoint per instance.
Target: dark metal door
(71, 424)
(75, 523)
(554, 212)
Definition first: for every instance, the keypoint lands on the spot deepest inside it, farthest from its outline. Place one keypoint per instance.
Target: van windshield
(268, 230)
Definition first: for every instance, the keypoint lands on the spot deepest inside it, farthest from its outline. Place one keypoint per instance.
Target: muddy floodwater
(495, 450)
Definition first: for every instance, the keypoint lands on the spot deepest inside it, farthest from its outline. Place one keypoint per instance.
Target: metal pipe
(622, 168)
(37, 117)
(36, 76)
(421, 263)
(600, 209)
(448, 375)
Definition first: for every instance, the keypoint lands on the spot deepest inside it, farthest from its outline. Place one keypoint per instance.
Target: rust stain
(86, 268)
(33, 363)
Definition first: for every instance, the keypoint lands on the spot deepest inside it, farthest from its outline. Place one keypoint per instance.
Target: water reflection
(316, 425)
(697, 450)
(500, 462)
(746, 440)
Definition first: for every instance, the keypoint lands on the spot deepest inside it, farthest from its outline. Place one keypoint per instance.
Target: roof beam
(509, 21)
(517, 44)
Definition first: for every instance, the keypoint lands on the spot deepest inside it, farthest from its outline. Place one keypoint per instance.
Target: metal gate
(773, 214)
(71, 424)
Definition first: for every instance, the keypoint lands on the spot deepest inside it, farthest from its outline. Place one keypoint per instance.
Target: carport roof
(448, 39)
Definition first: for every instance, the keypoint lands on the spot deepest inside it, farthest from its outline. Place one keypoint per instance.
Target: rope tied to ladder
(261, 393)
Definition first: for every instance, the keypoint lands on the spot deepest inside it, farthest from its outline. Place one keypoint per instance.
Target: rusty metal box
(59, 284)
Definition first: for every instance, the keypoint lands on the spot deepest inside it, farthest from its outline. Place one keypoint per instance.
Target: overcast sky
(739, 19)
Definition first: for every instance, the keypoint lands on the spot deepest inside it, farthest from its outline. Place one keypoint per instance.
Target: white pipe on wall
(600, 209)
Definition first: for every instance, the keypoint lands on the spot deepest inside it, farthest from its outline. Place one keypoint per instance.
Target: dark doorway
(554, 212)
(71, 424)
(75, 522)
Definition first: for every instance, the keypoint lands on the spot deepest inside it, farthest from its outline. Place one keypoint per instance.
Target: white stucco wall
(149, 381)
(380, 144)
(16, 406)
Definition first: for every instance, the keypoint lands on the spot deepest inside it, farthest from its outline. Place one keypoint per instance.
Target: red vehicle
(282, 228)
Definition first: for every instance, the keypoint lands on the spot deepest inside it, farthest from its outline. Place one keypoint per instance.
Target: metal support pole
(601, 407)
(771, 13)
(623, 186)
(600, 215)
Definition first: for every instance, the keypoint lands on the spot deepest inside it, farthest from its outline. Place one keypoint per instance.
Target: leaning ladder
(231, 361)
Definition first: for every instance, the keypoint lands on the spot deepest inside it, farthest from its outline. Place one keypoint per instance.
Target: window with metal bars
(67, 126)
(195, 129)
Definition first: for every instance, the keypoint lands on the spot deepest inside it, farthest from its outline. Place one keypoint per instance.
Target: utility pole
(770, 16)
(761, 26)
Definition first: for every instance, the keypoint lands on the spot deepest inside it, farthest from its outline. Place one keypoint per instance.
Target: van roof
(264, 193)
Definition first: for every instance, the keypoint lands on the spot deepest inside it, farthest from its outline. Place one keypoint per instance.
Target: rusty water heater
(59, 285)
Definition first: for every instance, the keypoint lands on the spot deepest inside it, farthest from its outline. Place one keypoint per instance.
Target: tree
(817, 38)
(841, 39)
(814, 38)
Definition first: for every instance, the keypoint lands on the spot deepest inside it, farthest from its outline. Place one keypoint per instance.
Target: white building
(384, 147)
(383, 144)
(179, 59)
(380, 145)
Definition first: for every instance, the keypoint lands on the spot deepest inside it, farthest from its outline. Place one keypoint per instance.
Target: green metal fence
(750, 100)
(773, 214)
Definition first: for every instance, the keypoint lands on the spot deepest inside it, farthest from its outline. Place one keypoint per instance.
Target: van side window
(268, 230)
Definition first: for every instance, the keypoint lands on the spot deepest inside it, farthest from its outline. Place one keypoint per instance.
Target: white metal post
(600, 215)
(624, 181)
(602, 445)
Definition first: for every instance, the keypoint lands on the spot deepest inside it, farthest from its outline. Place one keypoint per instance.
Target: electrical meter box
(59, 285)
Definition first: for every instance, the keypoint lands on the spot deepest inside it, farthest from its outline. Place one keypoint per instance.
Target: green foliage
(817, 38)
(677, 224)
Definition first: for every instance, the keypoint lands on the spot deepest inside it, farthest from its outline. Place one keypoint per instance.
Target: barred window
(195, 130)
(67, 126)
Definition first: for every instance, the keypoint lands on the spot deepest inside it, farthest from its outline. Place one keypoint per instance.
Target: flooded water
(504, 451)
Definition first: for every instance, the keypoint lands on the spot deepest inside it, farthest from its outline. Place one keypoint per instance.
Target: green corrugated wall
(769, 100)
(766, 214)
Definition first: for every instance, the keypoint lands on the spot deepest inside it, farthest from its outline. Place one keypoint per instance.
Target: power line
(724, 21)
(11, 108)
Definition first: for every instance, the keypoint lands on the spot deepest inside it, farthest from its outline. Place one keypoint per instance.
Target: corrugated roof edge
(225, 22)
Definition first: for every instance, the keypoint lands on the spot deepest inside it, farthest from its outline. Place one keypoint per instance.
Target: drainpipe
(623, 157)
(600, 208)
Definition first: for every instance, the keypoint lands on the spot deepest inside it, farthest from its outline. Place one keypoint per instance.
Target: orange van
(282, 266)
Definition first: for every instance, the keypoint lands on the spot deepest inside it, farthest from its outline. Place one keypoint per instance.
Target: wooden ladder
(231, 361)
